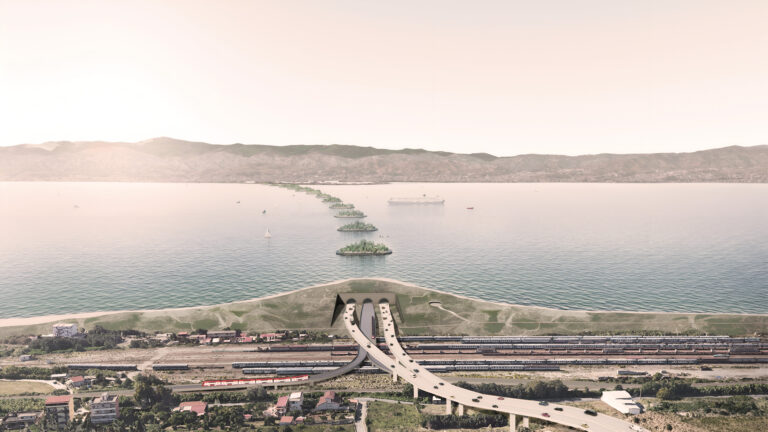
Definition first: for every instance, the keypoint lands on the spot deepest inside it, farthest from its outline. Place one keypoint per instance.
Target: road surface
(405, 367)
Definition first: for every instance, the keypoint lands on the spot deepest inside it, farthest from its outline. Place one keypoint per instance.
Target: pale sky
(504, 77)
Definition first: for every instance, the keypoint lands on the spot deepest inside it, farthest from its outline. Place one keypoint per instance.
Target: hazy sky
(505, 77)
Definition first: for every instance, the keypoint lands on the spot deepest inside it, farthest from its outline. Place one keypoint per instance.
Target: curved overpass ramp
(420, 378)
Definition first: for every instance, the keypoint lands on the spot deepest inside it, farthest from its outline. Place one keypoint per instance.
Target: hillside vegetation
(424, 312)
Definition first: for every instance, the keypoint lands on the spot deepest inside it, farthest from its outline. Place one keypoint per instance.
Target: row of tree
(463, 422)
(536, 390)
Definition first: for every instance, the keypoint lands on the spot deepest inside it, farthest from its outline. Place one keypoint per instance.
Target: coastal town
(118, 379)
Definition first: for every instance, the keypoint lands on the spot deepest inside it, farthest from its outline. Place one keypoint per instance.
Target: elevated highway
(421, 379)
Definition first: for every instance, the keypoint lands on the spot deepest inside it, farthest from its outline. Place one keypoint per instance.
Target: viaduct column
(460, 411)
(526, 422)
(512, 423)
(415, 392)
(448, 406)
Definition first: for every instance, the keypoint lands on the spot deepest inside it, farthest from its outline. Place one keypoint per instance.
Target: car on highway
(585, 426)
(500, 398)
(590, 412)
(475, 400)
(543, 403)
(545, 414)
(494, 406)
(558, 409)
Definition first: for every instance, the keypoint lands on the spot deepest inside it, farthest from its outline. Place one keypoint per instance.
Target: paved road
(408, 369)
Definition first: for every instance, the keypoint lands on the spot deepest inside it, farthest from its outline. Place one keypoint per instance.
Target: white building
(295, 401)
(621, 401)
(64, 330)
(104, 409)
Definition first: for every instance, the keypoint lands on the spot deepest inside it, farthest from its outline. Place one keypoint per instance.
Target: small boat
(470, 208)
(267, 234)
(238, 202)
(264, 211)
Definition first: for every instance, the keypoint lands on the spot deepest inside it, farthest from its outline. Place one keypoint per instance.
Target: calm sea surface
(665, 247)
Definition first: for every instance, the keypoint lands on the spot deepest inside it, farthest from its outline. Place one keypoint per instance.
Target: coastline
(43, 319)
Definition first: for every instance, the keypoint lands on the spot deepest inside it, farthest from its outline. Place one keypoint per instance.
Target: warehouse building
(621, 401)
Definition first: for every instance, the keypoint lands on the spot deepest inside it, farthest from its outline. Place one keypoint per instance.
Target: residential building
(61, 409)
(621, 401)
(271, 337)
(64, 330)
(197, 407)
(286, 421)
(105, 409)
(79, 381)
(21, 420)
(295, 401)
(222, 333)
(328, 402)
(282, 405)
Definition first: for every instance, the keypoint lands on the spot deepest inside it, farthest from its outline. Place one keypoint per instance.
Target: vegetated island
(329, 198)
(341, 206)
(364, 248)
(350, 214)
(357, 226)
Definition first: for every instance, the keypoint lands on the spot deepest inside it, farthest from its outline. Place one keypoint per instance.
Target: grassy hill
(424, 312)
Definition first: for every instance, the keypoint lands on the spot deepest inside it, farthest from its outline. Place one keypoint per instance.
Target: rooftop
(58, 400)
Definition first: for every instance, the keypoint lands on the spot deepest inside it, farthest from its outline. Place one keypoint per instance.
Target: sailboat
(264, 212)
(267, 234)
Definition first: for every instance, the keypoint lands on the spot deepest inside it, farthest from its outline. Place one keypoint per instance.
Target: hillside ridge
(166, 159)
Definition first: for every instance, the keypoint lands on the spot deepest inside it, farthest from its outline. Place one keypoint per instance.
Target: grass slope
(425, 312)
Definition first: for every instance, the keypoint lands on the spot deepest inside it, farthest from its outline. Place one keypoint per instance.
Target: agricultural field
(13, 387)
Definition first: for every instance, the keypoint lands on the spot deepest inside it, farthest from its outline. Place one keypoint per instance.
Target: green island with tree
(341, 206)
(350, 214)
(364, 248)
(329, 198)
(357, 226)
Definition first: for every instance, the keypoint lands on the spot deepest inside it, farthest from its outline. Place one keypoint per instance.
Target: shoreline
(43, 319)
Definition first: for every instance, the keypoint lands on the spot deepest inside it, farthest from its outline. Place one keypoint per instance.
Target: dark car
(558, 409)
(590, 412)
(543, 403)
(494, 406)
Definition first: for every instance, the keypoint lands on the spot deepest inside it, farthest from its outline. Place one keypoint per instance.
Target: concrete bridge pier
(512, 423)
(526, 422)
(448, 406)
(460, 410)
(415, 392)
(394, 376)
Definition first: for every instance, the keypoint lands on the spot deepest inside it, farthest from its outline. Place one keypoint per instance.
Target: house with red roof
(328, 402)
(286, 421)
(197, 407)
(60, 408)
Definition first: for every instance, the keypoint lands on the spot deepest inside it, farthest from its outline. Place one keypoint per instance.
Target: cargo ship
(424, 199)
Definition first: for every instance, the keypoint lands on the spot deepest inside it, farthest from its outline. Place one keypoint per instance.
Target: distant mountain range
(171, 160)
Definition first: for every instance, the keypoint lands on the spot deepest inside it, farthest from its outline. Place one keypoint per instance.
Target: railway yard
(535, 356)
